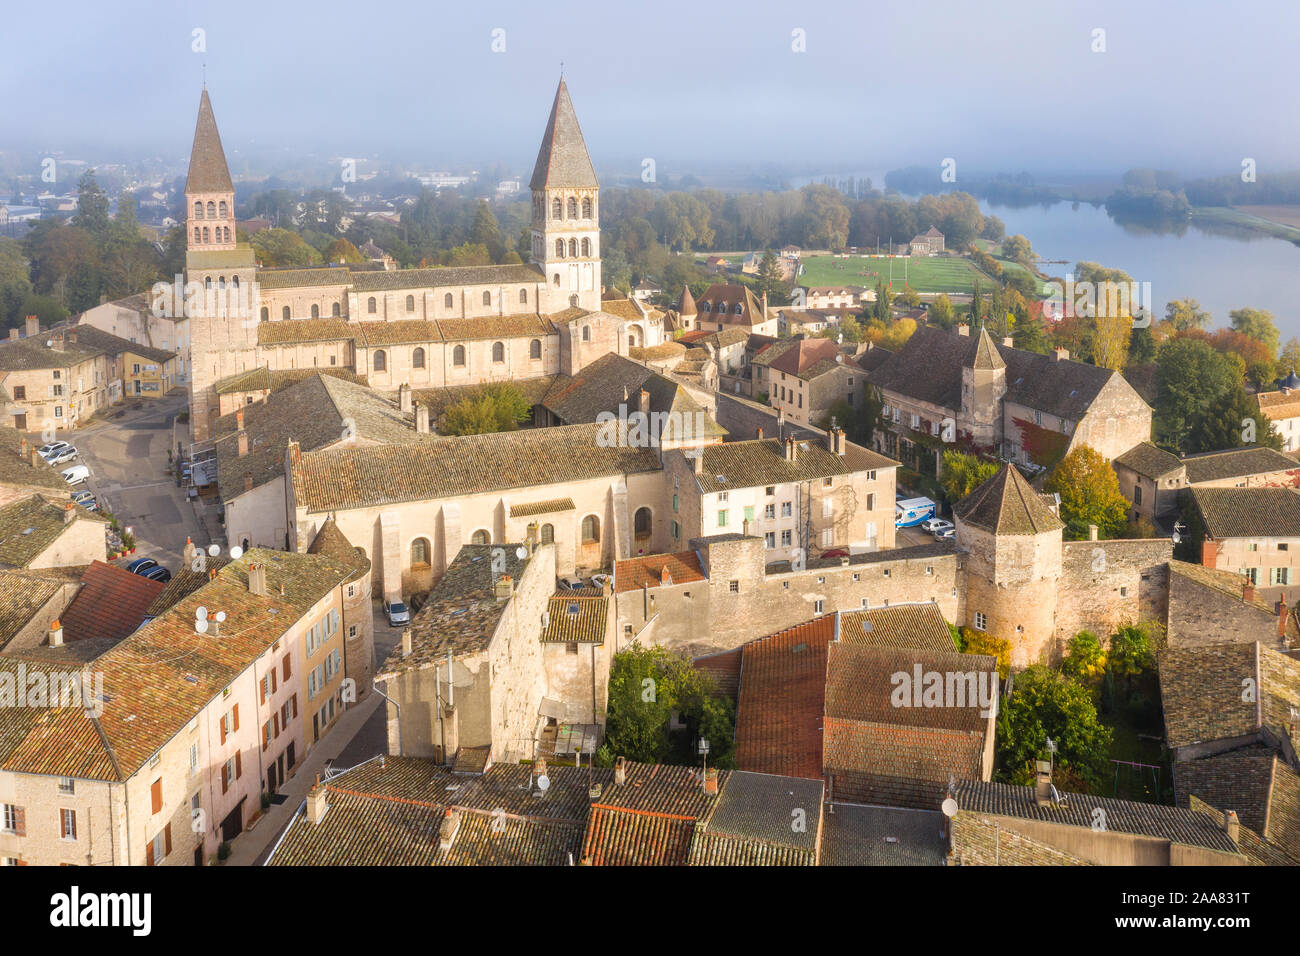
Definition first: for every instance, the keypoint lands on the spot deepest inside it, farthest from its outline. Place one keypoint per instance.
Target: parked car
(76, 474)
(397, 613)
(141, 565)
(599, 580)
(66, 453)
(80, 496)
(937, 525)
(158, 574)
(944, 533)
(572, 583)
(52, 448)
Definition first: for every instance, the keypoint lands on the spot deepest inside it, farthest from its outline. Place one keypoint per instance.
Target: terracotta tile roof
(22, 595)
(782, 699)
(1006, 504)
(296, 331)
(111, 604)
(624, 309)
(1279, 405)
(444, 276)
(208, 171)
(805, 354)
(303, 278)
(1249, 512)
(452, 467)
(1258, 849)
(1175, 824)
(636, 838)
(662, 351)
(1149, 461)
(861, 684)
(576, 619)
(402, 332)
(551, 506)
(562, 159)
(184, 583)
(724, 668)
(750, 464)
(894, 765)
(897, 626)
(682, 568)
(1237, 463)
(331, 541)
(461, 612)
(29, 527)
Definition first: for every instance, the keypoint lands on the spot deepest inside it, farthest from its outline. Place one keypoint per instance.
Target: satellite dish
(949, 807)
(543, 782)
(521, 552)
(201, 613)
(201, 626)
(236, 552)
(1177, 537)
(221, 616)
(214, 549)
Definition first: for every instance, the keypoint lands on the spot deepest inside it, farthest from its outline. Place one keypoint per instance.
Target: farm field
(924, 274)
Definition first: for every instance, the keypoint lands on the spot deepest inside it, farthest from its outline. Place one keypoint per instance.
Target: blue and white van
(910, 512)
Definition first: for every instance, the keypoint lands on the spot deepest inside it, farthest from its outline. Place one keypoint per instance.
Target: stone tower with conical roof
(686, 308)
(983, 384)
(1014, 545)
(221, 299)
(566, 212)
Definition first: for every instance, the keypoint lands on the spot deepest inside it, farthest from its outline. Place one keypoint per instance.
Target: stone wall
(1105, 584)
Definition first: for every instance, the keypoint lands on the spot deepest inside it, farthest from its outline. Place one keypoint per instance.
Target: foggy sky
(1194, 86)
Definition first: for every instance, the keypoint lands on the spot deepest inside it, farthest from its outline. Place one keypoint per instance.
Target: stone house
(722, 306)
(45, 532)
(1282, 408)
(1254, 532)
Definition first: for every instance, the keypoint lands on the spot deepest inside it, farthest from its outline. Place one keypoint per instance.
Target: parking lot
(127, 458)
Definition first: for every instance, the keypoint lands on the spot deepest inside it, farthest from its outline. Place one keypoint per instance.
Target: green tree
(963, 473)
(1288, 359)
(1089, 490)
(341, 250)
(1085, 660)
(92, 206)
(1017, 249)
(486, 232)
(1235, 421)
(1191, 379)
(282, 247)
(1258, 324)
(498, 407)
(941, 313)
(1184, 314)
(1046, 704)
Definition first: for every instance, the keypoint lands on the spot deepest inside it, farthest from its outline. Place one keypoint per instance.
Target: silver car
(398, 614)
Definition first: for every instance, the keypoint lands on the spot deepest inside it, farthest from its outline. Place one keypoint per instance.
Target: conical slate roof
(687, 304)
(1291, 381)
(986, 352)
(333, 543)
(1006, 504)
(208, 170)
(563, 161)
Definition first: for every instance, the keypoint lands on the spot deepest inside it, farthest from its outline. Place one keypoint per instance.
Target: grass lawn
(924, 274)
(1136, 783)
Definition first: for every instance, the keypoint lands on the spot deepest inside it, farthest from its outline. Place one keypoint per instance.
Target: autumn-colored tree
(981, 642)
(1089, 490)
(340, 250)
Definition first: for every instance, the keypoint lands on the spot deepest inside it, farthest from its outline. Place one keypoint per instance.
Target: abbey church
(423, 328)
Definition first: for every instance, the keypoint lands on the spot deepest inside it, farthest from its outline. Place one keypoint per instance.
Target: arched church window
(284, 313)
(586, 208)
(410, 303)
(573, 248)
(381, 361)
(559, 248)
(523, 296)
(315, 311)
(498, 352)
(487, 298)
(198, 209)
(212, 209)
(266, 314)
(447, 301)
(458, 355)
(222, 208)
(535, 349)
(586, 247)
(417, 358)
(370, 305)
(573, 208)
(556, 210)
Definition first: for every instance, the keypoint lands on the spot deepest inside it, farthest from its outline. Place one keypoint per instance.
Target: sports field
(924, 273)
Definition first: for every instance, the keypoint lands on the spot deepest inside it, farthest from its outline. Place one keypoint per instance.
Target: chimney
(404, 398)
(33, 326)
(36, 458)
(69, 513)
(1008, 341)
(1232, 826)
(239, 419)
(13, 335)
(242, 437)
(643, 402)
(56, 341)
(963, 328)
(711, 781)
(1062, 354)
(697, 461)
(316, 805)
(1092, 532)
(1209, 553)
(449, 828)
(539, 767)
(505, 587)
(22, 448)
(257, 579)
(56, 633)
(759, 436)
(406, 642)
(1281, 618)
(791, 450)
(72, 337)
(189, 553)
(422, 419)
(620, 771)
(1043, 783)
(1248, 592)
(665, 577)
(212, 574)
(248, 481)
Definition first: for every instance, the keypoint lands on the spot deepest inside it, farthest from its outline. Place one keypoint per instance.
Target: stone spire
(208, 170)
(562, 161)
(986, 353)
(687, 304)
(1006, 504)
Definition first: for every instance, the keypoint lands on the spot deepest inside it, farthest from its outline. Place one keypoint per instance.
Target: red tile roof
(637, 838)
(782, 697)
(806, 354)
(684, 568)
(111, 603)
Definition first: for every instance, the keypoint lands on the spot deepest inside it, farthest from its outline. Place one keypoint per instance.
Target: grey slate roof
(208, 170)
(562, 160)
(856, 835)
(1175, 824)
(1249, 512)
(1236, 463)
(928, 368)
(1149, 461)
